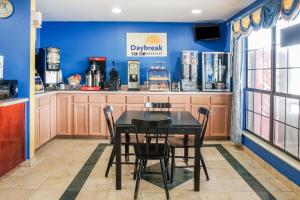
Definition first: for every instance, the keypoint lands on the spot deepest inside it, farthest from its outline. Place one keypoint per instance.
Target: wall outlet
(1, 66)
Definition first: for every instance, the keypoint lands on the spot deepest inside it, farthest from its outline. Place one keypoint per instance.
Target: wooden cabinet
(12, 136)
(37, 127)
(53, 116)
(64, 115)
(81, 118)
(97, 125)
(118, 102)
(136, 102)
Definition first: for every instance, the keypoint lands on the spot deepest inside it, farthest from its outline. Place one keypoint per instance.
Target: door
(219, 120)
(63, 114)
(81, 118)
(96, 120)
(44, 121)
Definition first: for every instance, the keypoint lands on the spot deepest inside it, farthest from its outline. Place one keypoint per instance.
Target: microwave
(8, 89)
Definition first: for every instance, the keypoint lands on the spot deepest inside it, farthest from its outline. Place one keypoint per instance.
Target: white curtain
(237, 96)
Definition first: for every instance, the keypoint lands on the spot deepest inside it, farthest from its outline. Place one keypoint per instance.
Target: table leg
(197, 160)
(118, 159)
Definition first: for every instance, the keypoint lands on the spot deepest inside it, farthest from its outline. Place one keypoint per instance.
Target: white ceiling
(140, 10)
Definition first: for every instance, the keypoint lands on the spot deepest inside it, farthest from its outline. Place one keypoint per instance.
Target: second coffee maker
(96, 74)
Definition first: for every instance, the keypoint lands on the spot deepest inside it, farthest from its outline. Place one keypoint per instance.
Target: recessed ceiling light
(196, 11)
(116, 10)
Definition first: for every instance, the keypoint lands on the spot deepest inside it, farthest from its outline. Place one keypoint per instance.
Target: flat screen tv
(207, 32)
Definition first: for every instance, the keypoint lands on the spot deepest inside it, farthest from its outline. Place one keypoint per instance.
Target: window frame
(272, 92)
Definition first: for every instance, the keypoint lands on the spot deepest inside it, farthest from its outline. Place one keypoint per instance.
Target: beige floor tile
(286, 195)
(235, 186)
(121, 195)
(30, 182)
(7, 181)
(274, 185)
(46, 195)
(97, 184)
(211, 186)
(92, 195)
(55, 183)
(243, 195)
(16, 194)
(18, 171)
(214, 196)
(152, 195)
(190, 195)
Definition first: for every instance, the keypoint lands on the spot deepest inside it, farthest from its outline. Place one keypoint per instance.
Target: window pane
(294, 81)
(250, 121)
(280, 25)
(281, 57)
(251, 59)
(279, 134)
(259, 59)
(267, 58)
(267, 79)
(294, 60)
(292, 112)
(291, 140)
(259, 79)
(256, 124)
(250, 100)
(281, 80)
(259, 39)
(265, 128)
(257, 102)
(279, 108)
(251, 77)
(266, 105)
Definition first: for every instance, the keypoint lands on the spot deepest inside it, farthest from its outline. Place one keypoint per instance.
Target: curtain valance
(266, 16)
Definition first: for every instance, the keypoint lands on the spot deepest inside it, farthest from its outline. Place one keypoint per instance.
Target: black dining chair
(156, 106)
(126, 140)
(158, 149)
(189, 142)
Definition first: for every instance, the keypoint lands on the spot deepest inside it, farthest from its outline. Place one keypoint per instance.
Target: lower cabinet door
(118, 109)
(53, 116)
(37, 129)
(81, 119)
(97, 125)
(64, 115)
(219, 120)
(135, 107)
(180, 107)
(44, 121)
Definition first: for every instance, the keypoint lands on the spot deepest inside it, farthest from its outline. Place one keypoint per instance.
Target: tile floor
(60, 161)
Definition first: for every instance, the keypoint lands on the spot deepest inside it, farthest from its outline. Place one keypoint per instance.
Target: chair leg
(204, 166)
(172, 163)
(110, 162)
(135, 168)
(163, 171)
(138, 180)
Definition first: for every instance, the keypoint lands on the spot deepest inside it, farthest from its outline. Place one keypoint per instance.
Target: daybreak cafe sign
(146, 44)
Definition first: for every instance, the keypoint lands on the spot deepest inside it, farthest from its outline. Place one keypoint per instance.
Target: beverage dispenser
(189, 71)
(133, 75)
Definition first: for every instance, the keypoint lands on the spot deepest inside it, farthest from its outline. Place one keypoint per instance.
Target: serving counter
(80, 113)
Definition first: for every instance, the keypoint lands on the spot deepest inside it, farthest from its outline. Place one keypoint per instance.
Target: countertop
(12, 101)
(142, 92)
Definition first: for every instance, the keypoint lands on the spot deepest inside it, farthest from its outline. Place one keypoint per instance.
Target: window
(273, 89)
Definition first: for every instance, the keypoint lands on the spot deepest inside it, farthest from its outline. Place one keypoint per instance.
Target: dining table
(183, 123)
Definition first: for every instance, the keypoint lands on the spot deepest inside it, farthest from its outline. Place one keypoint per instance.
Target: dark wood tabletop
(179, 119)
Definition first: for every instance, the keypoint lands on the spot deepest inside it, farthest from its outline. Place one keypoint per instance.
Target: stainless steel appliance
(133, 75)
(8, 89)
(189, 71)
(96, 74)
(48, 66)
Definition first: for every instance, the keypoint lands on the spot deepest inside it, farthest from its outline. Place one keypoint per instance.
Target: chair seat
(132, 139)
(154, 151)
(179, 142)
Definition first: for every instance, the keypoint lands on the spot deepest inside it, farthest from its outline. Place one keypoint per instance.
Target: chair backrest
(203, 118)
(154, 106)
(156, 131)
(110, 122)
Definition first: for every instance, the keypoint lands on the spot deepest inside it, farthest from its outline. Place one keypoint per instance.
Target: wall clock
(6, 9)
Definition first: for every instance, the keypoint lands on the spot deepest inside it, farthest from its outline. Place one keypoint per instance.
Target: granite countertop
(12, 101)
(127, 92)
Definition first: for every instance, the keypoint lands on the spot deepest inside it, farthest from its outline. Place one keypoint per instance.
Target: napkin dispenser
(8, 89)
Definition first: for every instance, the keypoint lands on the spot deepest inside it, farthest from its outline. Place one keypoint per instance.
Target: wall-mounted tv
(207, 32)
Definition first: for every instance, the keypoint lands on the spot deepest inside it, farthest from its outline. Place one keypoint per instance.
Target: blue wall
(15, 47)
(79, 40)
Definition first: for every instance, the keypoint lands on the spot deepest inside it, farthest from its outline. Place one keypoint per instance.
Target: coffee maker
(96, 73)
(189, 71)
(48, 66)
(133, 75)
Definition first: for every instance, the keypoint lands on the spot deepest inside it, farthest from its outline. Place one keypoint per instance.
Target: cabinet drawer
(80, 98)
(116, 99)
(136, 99)
(179, 99)
(219, 100)
(44, 101)
(201, 100)
(158, 98)
(97, 98)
